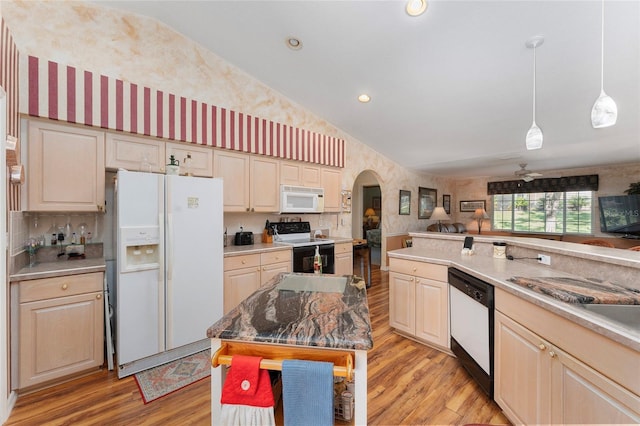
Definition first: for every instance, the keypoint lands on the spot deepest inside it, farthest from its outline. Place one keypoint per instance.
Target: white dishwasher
(471, 307)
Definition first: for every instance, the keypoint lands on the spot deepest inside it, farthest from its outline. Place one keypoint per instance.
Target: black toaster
(243, 239)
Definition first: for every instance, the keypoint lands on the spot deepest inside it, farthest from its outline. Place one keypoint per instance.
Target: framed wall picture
(376, 203)
(471, 206)
(446, 203)
(426, 202)
(405, 202)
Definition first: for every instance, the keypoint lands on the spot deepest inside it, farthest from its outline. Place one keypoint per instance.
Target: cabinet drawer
(236, 262)
(275, 257)
(344, 248)
(421, 269)
(49, 288)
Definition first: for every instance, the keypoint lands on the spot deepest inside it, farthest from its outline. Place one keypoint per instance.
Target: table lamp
(368, 213)
(480, 215)
(439, 214)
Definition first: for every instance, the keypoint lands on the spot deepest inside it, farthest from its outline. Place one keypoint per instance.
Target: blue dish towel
(307, 393)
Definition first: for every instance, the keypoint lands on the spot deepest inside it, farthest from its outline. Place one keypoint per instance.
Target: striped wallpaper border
(65, 93)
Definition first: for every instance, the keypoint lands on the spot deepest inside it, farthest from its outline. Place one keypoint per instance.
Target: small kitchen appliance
(243, 238)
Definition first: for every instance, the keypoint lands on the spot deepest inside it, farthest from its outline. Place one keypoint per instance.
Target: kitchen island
(299, 316)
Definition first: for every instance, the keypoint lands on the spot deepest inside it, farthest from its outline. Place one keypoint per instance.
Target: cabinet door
(66, 168)
(290, 173)
(60, 337)
(522, 373)
(265, 191)
(270, 271)
(581, 395)
(310, 175)
(233, 168)
(238, 285)
(201, 158)
(344, 259)
(332, 184)
(432, 313)
(130, 152)
(402, 302)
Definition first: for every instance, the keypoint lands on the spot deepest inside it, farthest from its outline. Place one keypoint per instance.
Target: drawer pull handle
(244, 261)
(99, 296)
(65, 286)
(415, 269)
(411, 279)
(552, 354)
(542, 346)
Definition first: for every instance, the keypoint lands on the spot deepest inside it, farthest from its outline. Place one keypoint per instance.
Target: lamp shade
(370, 212)
(480, 214)
(439, 214)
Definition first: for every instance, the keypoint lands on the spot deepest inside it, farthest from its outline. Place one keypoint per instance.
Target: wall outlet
(544, 259)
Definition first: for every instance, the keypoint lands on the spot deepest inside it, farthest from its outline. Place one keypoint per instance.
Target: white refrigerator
(169, 267)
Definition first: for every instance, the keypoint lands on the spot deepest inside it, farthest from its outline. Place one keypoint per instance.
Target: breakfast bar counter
(299, 316)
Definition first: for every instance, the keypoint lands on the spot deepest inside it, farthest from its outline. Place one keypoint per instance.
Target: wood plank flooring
(409, 384)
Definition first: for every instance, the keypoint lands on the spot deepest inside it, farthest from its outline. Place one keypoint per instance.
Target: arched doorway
(367, 212)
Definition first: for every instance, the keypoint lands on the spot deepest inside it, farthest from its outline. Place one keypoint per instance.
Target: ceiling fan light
(604, 112)
(534, 137)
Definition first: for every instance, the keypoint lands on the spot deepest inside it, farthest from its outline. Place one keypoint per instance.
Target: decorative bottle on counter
(317, 262)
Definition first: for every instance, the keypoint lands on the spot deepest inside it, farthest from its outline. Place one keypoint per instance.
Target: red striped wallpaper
(9, 60)
(67, 94)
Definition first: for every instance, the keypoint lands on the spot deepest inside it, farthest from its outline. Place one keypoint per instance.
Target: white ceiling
(452, 89)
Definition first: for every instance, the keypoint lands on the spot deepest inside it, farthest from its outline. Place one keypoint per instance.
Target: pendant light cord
(534, 84)
(602, 49)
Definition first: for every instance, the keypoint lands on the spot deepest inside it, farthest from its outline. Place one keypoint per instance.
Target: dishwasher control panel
(473, 287)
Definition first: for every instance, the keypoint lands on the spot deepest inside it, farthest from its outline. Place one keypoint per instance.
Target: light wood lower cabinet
(243, 275)
(343, 259)
(538, 382)
(61, 327)
(419, 301)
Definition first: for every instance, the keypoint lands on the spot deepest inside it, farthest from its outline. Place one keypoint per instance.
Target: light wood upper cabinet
(332, 184)
(250, 182)
(233, 168)
(61, 327)
(265, 191)
(297, 173)
(201, 158)
(66, 169)
(130, 152)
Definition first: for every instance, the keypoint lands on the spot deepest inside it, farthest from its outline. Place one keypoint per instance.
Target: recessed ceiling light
(364, 98)
(416, 7)
(293, 43)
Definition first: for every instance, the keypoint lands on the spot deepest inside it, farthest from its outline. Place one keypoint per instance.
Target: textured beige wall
(144, 51)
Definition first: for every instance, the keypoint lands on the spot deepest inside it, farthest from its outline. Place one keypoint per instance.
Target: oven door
(303, 258)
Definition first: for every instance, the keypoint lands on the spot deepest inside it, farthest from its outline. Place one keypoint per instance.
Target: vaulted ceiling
(451, 90)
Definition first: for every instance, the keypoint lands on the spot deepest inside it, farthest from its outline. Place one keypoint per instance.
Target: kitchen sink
(625, 314)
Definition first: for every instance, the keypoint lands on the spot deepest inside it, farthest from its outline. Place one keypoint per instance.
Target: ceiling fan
(526, 175)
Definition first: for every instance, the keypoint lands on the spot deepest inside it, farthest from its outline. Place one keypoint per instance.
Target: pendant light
(605, 111)
(534, 135)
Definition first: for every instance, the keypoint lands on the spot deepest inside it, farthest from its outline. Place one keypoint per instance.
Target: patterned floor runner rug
(173, 376)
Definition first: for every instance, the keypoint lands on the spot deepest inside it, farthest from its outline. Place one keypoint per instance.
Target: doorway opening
(368, 213)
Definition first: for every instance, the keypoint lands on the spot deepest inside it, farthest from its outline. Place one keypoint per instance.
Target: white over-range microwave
(300, 199)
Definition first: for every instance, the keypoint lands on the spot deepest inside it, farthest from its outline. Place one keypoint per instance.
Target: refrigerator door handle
(169, 241)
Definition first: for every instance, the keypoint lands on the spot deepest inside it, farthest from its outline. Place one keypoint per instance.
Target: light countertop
(59, 268)
(498, 271)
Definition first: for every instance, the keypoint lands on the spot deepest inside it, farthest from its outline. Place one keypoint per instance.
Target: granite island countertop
(59, 268)
(303, 310)
(498, 272)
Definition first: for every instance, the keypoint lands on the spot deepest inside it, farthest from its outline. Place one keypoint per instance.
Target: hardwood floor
(409, 384)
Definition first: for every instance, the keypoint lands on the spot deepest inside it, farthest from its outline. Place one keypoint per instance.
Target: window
(544, 212)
